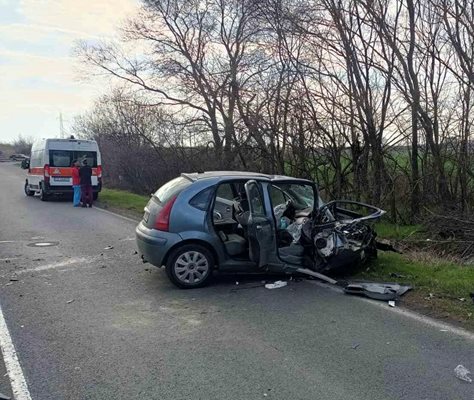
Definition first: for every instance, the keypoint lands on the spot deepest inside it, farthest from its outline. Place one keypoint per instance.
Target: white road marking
(117, 215)
(14, 371)
(65, 263)
(441, 326)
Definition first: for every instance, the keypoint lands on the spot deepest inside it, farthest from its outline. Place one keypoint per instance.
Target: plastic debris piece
(276, 285)
(462, 373)
(391, 303)
(355, 346)
(108, 248)
(395, 275)
(377, 291)
(13, 279)
(70, 301)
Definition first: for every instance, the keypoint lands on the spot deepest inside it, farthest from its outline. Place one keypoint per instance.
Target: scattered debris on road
(108, 248)
(377, 291)
(13, 279)
(398, 276)
(391, 303)
(70, 301)
(355, 346)
(276, 285)
(462, 373)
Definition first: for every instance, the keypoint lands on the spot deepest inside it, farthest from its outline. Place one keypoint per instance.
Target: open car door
(260, 233)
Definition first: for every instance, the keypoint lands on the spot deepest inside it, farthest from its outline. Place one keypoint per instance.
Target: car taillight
(162, 222)
(99, 171)
(46, 173)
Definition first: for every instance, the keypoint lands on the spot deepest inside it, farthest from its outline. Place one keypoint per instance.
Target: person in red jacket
(76, 184)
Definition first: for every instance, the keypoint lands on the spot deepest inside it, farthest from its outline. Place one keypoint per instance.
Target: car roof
(223, 175)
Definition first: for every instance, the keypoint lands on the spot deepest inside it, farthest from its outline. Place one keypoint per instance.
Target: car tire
(28, 192)
(186, 263)
(43, 194)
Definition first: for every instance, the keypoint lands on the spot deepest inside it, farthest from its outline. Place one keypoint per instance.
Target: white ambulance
(50, 172)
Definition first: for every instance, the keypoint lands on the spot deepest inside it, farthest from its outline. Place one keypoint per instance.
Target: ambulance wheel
(43, 194)
(28, 192)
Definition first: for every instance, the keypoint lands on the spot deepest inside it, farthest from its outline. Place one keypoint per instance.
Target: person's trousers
(76, 201)
(86, 192)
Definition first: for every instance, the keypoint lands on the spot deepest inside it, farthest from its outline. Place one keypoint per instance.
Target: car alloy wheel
(191, 267)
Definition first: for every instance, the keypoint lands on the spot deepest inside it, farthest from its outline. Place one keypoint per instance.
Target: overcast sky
(38, 75)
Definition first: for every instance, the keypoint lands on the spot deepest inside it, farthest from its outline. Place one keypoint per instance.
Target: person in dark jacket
(85, 173)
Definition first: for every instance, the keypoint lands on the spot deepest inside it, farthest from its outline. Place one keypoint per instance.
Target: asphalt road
(89, 323)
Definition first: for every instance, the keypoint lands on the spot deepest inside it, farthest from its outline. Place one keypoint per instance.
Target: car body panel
(188, 223)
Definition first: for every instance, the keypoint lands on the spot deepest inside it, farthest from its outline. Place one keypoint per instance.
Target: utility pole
(61, 126)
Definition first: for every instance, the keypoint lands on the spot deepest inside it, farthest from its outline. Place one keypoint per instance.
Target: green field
(441, 288)
(120, 200)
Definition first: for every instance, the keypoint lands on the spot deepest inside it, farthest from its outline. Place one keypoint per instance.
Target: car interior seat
(234, 244)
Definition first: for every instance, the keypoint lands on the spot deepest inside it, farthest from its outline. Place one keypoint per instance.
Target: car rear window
(171, 189)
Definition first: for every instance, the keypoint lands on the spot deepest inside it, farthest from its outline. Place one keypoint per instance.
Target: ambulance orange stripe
(57, 171)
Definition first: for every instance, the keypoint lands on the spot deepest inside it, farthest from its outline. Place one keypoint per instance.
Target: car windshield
(302, 195)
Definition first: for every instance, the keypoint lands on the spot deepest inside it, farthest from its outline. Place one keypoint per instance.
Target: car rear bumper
(154, 245)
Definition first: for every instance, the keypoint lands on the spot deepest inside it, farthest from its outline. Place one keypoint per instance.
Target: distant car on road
(49, 169)
(242, 221)
(18, 157)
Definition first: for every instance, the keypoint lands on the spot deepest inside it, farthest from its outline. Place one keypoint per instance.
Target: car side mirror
(25, 164)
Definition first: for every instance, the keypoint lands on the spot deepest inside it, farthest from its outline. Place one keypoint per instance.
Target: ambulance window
(60, 158)
(90, 156)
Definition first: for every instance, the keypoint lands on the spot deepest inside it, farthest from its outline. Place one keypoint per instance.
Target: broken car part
(377, 291)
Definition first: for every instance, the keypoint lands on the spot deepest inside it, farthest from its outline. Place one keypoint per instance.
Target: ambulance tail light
(46, 173)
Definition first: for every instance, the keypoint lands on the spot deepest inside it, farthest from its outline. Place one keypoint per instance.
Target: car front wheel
(190, 266)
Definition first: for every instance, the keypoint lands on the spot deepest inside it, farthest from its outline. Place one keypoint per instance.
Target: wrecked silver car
(240, 222)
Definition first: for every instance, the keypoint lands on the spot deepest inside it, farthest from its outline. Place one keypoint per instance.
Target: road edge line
(136, 221)
(405, 312)
(12, 364)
